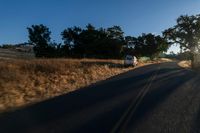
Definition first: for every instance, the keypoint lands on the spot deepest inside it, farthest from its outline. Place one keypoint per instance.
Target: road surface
(159, 98)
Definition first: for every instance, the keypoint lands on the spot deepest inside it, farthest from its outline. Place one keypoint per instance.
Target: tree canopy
(186, 33)
(39, 35)
(147, 45)
(92, 42)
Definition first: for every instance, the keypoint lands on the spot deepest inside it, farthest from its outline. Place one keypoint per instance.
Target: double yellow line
(120, 126)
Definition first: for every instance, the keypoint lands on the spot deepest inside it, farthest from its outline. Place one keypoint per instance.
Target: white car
(130, 60)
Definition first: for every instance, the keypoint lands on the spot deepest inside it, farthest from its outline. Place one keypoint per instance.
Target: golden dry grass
(24, 82)
(185, 64)
(165, 60)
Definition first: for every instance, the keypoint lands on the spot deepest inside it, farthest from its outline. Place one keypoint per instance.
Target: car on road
(130, 60)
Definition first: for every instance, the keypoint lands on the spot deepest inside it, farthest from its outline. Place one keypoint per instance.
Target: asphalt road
(159, 98)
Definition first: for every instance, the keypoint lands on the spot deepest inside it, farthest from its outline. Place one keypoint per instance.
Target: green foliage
(94, 43)
(147, 45)
(144, 59)
(39, 35)
(186, 33)
(185, 56)
(91, 42)
(115, 33)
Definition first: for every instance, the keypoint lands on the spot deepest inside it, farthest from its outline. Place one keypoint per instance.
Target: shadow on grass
(103, 63)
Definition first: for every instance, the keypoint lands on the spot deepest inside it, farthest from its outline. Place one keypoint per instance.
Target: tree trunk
(195, 61)
(192, 61)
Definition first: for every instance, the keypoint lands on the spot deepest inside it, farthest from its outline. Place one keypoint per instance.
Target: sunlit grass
(24, 82)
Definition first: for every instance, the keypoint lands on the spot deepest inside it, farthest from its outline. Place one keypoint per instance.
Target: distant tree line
(185, 55)
(91, 42)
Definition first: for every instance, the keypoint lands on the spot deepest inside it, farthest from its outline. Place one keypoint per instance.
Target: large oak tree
(186, 33)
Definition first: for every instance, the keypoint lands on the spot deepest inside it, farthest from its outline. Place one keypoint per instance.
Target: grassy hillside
(12, 53)
(24, 82)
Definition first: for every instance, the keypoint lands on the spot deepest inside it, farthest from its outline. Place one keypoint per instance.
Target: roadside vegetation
(24, 82)
(186, 33)
(91, 42)
(185, 64)
(12, 53)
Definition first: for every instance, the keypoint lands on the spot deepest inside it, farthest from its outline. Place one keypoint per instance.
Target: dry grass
(165, 60)
(28, 81)
(185, 64)
(24, 82)
(13, 54)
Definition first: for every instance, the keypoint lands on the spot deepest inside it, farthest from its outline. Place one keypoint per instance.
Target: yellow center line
(131, 109)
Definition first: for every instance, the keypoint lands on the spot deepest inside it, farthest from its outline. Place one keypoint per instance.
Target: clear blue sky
(134, 16)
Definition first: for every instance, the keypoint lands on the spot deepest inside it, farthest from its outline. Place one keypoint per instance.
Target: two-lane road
(159, 98)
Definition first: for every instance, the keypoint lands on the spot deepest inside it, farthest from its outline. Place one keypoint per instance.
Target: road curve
(158, 98)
